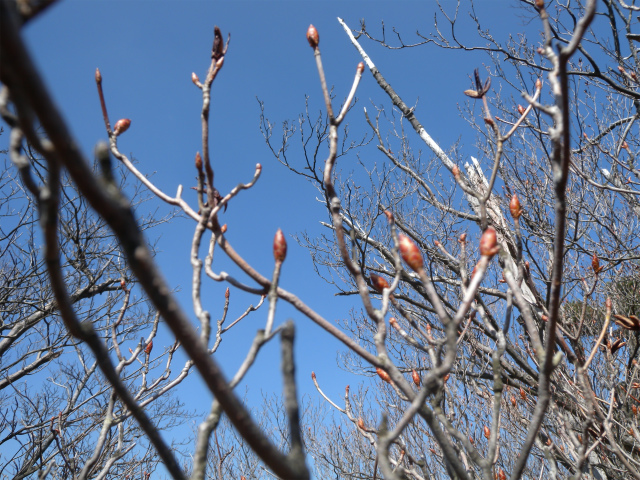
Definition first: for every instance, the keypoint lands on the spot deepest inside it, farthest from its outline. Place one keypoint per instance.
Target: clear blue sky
(147, 51)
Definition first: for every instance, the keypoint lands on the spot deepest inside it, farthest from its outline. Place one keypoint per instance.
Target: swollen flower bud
(383, 375)
(378, 282)
(121, 126)
(198, 161)
(195, 79)
(489, 243)
(595, 264)
(149, 347)
(360, 423)
(410, 253)
(521, 109)
(394, 323)
(360, 67)
(98, 76)
(487, 432)
(415, 377)
(539, 83)
(513, 400)
(312, 36)
(514, 207)
(313, 375)
(226, 293)
(456, 172)
(223, 228)
(502, 475)
(523, 394)
(279, 247)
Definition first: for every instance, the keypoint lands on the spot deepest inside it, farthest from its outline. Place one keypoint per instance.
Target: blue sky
(147, 51)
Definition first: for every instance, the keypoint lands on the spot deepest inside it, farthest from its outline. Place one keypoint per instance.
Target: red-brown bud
(389, 216)
(487, 432)
(223, 228)
(198, 161)
(312, 36)
(540, 4)
(446, 377)
(463, 238)
(360, 423)
(521, 109)
(513, 400)
(595, 264)
(313, 375)
(471, 440)
(123, 284)
(456, 172)
(621, 69)
(383, 375)
(360, 68)
(226, 293)
(378, 282)
(410, 253)
(195, 79)
(523, 394)
(538, 84)
(502, 475)
(489, 243)
(514, 207)
(121, 126)
(415, 377)
(279, 247)
(489, 121)
(394, 323)
(98, 76)
(625, 145)
(149, 347)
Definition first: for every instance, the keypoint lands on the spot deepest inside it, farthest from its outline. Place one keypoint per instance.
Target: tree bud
(149, 347)
(378, 282)
(312, 37)
(198, 161)
(487, 432)
(226, 293)
(394, 323)
(502, 475)
(513, 400)
(360, 68)
(540, 4)
(223, 228)
(313, 375)
(595, 264)
(410, 253)
(121, 126)
(521, 109)
(98, 76)
(514, 207)
(383, 375)
(389, 216)
(625, 145)
(456, 172)
(195, 79)
(279, 247)
(621, 69)
(415, 377)
(123, 284)
(360, 423)
(463, 238)
(446, 377)
(523, 394)
(489, 243)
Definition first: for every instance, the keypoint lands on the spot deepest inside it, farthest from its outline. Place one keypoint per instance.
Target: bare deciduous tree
(489, 288)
